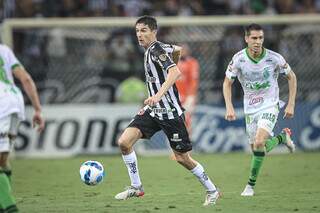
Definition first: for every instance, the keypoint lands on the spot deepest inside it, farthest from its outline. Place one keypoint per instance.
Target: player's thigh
(146, 124)
(267, 119)
(14, 126)
(129, 136)
(251, 127)
(5, 124)
(177, 134)
(8, 130)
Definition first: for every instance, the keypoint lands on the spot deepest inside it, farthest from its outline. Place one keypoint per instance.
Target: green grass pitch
(287, 183)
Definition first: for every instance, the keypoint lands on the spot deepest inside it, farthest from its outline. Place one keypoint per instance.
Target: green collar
(256, 60)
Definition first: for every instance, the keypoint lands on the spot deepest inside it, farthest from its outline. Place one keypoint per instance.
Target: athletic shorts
(265, 119)
(175, 130)
(8, 126)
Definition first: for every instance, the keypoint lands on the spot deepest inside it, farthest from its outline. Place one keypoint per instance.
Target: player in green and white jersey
(257, 69)
(11, 113)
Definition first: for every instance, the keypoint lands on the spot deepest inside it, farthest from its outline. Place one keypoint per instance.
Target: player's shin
(7, 200)
(256, 163)
(8, 172)
(274, 141)
(132, 165)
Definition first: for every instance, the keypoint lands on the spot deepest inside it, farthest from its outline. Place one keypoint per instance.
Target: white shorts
(265, 119)
(8, 126)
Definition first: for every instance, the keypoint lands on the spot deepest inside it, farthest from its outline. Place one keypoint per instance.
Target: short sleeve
(284, 67)
(11, 58)
(161, 56)
(232, 70)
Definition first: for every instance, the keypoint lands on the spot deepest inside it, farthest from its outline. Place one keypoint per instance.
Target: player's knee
(259, 143)
(124, 144)
(3, 160)
(180, 159)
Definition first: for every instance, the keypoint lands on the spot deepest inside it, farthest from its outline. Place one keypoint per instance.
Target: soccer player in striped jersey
(11, 113)
(257, 69)
(162, 111)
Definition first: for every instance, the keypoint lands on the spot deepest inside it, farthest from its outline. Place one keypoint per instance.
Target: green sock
(256, 164)
(8, 172)
(274, 141)
(7, 200)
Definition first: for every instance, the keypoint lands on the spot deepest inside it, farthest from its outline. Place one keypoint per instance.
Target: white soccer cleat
(130, 192)
(248, 191)
(211, 198)
(289, 143)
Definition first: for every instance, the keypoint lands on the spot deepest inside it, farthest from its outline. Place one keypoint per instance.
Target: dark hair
(148, 20)
(252, 27)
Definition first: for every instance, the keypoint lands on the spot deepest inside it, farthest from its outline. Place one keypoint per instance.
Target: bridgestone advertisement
(94, 129)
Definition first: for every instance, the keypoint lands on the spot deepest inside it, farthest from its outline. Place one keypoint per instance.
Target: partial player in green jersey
(257, 69)
(11, 113)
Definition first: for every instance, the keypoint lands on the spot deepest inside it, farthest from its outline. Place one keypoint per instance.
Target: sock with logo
(274, 141)
(256, 163)
(7, 201)
(199, 172)
(132, 165)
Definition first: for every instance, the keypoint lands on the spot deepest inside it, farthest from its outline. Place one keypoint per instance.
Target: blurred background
(88, 67)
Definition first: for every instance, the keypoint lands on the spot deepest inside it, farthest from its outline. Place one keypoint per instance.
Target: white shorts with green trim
(265, 119)
(8, 126)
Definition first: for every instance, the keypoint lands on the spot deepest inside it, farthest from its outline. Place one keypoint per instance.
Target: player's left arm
(30, 88)
(292, 81)
(176, 53)
(173, 75)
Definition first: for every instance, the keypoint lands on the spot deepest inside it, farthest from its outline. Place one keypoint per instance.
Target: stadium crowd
(99, 8)
(117, 56)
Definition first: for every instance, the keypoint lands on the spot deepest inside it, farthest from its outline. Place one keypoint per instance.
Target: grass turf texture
(287, 183)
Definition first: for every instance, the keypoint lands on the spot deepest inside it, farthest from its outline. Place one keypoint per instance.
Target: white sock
(132, 165)
(199, 172)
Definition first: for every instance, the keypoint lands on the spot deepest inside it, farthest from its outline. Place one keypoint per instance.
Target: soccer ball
(91, 172)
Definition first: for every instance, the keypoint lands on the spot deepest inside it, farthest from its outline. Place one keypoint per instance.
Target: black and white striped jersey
(157, 61)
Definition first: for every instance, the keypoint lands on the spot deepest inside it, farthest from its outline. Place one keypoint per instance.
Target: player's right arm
(227, 94)
(30, 88)
(231, 74)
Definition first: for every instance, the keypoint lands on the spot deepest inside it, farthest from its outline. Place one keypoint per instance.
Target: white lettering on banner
(94, 129)
(306, 134)
(75, 129)
(210, 138)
